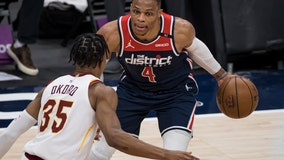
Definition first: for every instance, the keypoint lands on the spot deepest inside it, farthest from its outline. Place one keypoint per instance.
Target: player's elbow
(111, 142)
(113, 139)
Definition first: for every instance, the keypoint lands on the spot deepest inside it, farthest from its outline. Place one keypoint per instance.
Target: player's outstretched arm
(106, 101)
(19, 125)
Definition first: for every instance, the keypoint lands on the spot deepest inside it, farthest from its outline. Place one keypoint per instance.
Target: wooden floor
(216, 137)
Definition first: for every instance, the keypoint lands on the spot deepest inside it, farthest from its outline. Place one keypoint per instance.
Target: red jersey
(154, 65)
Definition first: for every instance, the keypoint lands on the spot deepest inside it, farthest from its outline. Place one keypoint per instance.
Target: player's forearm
(17, 127)
(133, 146)
(200, 54)
(6, 141)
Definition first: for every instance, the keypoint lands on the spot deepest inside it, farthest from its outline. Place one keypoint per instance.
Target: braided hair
(88, 50)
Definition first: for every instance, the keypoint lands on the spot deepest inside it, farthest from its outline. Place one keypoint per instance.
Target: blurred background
(238, 32)
(245, 36)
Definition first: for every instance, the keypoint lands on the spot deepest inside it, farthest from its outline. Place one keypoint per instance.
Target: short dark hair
(159, 2)
(88, 50)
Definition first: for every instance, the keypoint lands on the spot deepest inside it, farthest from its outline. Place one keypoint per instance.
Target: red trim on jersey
(49, 82)
(81, 74)
(191, 124)
(163, 41)
(32, 157)
(95, 81)
(192, 118)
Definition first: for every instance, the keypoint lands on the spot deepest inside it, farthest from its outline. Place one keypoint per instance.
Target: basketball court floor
(258, 136)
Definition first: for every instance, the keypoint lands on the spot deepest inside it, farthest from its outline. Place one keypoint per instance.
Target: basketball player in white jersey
(68, 109)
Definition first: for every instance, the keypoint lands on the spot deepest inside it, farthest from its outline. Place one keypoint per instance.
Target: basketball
(237, 97)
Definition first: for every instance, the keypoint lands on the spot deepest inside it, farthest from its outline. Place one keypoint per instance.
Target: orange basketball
(237, 97)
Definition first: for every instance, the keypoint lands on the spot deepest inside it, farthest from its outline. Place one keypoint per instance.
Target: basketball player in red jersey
(68, 109)
(156, 51)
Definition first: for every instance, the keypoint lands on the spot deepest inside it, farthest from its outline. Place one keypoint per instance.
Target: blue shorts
(174, 109)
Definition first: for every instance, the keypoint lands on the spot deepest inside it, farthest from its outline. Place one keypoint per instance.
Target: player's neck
(87, 70)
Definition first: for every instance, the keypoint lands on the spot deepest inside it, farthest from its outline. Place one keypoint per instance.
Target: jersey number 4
(148, 72)
(60, 116)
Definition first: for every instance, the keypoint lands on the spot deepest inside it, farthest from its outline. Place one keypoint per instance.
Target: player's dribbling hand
(220, 81)
(180, 155)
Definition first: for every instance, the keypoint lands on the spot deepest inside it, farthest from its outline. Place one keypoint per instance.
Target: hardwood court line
(259, 136)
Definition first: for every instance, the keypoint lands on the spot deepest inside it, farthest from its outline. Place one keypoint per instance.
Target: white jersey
(66, 120)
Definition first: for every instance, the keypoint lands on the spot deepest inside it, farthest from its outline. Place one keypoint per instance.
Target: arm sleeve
(16, 128)
(201, 55)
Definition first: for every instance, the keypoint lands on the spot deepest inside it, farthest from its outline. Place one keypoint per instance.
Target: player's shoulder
(111, 34)
(100, 92)
(100, 89)
(109, 27)
(184, 33)
(183, 24)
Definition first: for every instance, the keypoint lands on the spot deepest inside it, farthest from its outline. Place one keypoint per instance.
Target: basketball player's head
(89, 50)
(145, 16)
